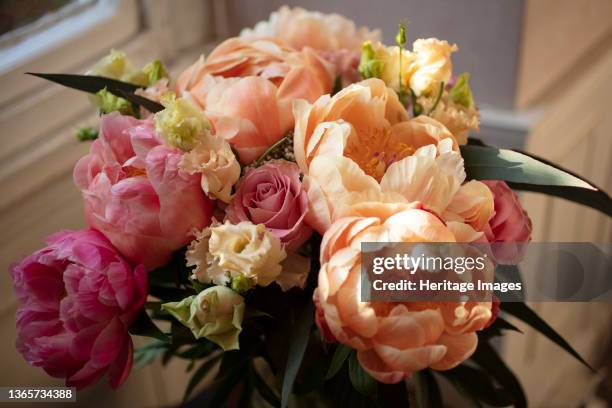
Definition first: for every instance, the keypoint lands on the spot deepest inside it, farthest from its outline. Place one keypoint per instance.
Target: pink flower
(135, 193)
(78, 299)
(272, 195)
(509, 225)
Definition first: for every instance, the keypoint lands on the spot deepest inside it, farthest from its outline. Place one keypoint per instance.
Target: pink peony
(78, 299)
(272, 195)
(135, 193)
(509, 225)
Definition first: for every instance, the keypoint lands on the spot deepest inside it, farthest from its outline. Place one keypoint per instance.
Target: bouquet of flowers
(226, 207)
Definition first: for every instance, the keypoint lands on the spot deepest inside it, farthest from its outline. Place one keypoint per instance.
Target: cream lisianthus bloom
(181, 123)
(380, 61)
(215, 313)
(225, 252)
(359, 145)
(212, 156)
(432, 65)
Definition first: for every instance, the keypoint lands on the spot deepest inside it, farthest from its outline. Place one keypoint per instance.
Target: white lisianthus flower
(226, 252)
(432, 65)
(457, 118)
(215, 313)
(213, 158)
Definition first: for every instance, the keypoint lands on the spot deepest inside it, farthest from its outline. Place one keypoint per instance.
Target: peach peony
(246, 88)
(360, 145)
(302, 28)
(392, 340)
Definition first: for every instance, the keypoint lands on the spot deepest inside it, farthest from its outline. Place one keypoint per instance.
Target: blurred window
(20, 16)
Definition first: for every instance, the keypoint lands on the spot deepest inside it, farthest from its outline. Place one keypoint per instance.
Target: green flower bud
(115, 66)
(106, 102)
(86, 133)
(461, 93)
(242, 284)
(215, 313)
(155, 71)
(400, 37)
(369, 65)
(181, 124)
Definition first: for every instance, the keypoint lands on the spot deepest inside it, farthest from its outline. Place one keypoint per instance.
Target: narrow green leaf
(526, 172)
(475, 384)
(523, 312)
(144, 326)
(148, 104)
(340, 355)
(487, 358)
(427, 392)
(361, 380)
(146, 354)
(87, 83)
(497, 328)
(297, 347)
(94, 84)
(200, 374)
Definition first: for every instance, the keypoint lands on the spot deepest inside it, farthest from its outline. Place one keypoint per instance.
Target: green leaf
(523, 312)
(530, 173)
(144, 326)
(340, 355)
(475, 384)
(497, 328)
(146, 354)
(94, 84)
(297, 347)
(427, 392)
(148, 104)
(266, 392)
(361, 380)
(200, 374)
(487, 358)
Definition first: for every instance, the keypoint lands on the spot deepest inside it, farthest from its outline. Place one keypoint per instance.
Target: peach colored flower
(392, 340)
(302, 28)
(359, 145)
(246, 88)
(213, 158)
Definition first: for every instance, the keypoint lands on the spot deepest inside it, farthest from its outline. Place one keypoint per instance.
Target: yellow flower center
(374, 150)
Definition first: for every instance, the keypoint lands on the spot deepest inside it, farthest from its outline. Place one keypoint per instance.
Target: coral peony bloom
(392, 340)
(246, 88)
(334, 37)
(78, 298)
(302, 28)
(360, 145)
(135, 193)
(510, 224)
(272, 195)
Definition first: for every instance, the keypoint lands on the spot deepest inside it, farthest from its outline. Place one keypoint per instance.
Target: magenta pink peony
(135, 193)
(509, 225)
(78, 298)
(272, 195)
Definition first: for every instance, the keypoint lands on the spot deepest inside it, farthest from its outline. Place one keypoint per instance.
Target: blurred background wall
(541, 73)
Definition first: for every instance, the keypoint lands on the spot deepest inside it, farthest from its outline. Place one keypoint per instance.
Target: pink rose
(272, 195)
(78, 299)
(135, 193)
(509, 225)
